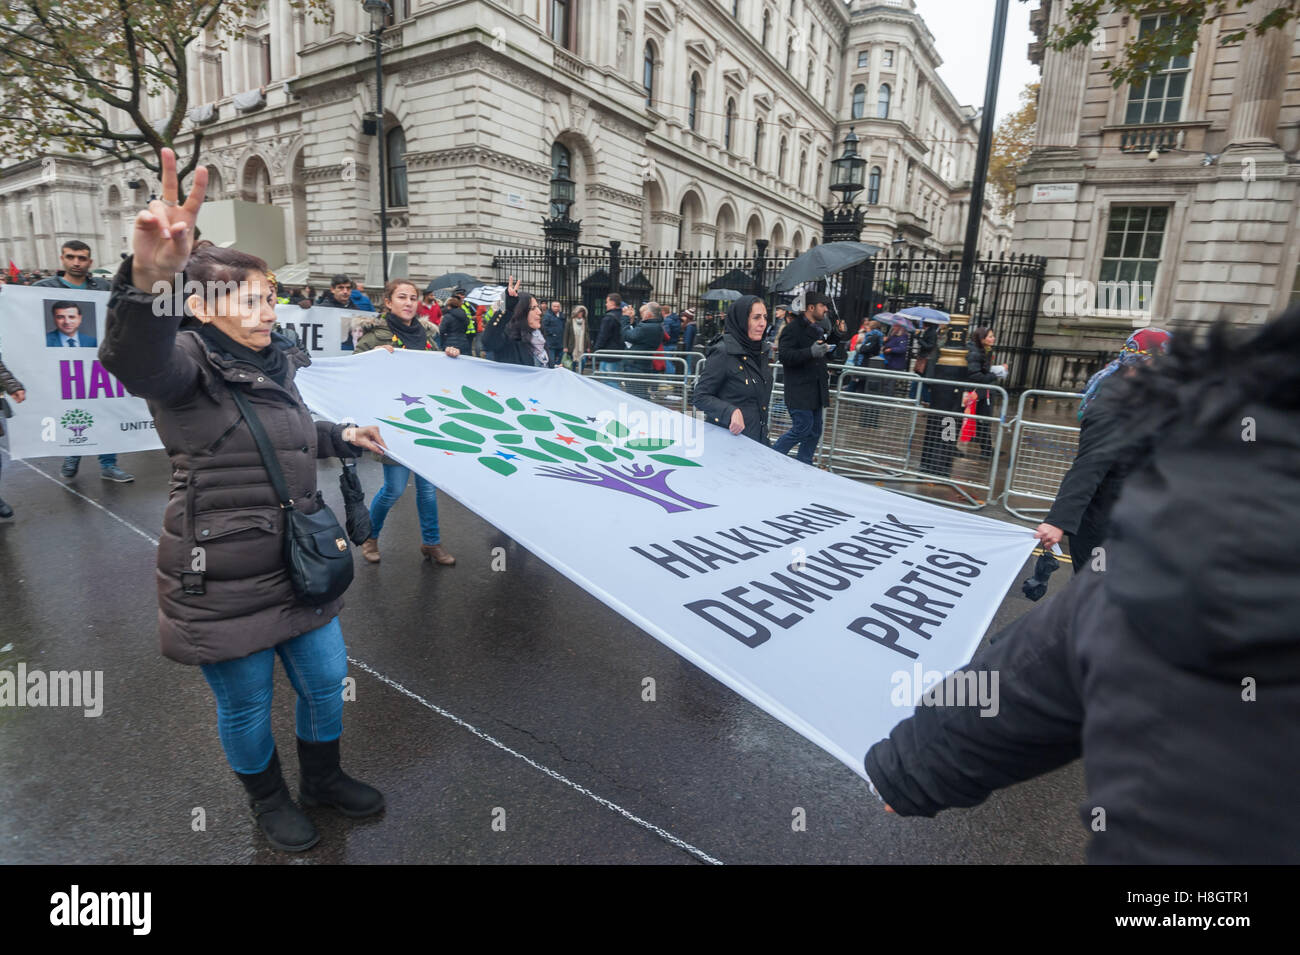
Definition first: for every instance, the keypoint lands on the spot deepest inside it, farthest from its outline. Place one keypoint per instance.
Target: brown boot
(370, 550)
(435, 553)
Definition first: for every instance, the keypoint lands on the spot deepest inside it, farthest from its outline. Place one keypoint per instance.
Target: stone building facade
(694, 126)
(1173, 202)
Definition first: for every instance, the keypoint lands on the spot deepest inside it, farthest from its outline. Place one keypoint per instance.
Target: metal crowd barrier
(1041, 452)
(883, 433)
(670, 388)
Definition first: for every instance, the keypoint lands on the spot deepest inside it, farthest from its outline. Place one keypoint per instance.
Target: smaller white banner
(1056, 192)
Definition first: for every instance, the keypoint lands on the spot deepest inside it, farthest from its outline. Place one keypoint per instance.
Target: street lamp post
(843, 222)
(562, 232)
(379, 11)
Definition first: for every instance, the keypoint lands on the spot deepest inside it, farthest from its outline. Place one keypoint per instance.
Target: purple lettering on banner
(72, 376)
(100, 380)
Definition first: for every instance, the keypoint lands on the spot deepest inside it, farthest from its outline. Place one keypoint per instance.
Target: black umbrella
(452, 280)
(354, 503)
(821, 261)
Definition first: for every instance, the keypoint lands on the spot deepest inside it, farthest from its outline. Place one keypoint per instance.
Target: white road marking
(362, 665)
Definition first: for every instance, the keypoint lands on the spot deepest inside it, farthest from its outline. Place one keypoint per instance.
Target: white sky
(962, 30)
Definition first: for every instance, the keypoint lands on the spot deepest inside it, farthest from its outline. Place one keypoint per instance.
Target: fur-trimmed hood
(365, 321)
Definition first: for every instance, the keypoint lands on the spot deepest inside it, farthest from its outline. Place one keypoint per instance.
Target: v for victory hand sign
(164, 233)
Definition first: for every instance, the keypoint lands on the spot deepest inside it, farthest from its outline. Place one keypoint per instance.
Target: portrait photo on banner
(70, 324)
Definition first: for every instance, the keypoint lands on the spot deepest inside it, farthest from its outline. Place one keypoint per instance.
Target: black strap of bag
(316, 551)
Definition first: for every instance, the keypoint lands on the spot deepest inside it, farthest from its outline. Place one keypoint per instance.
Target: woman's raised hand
(512, 286)
(164, 233)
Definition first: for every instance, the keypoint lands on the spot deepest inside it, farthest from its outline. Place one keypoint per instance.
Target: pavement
(500, 713)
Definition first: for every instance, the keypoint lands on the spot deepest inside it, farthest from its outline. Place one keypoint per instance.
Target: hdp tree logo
(77, 421)
(569, 447)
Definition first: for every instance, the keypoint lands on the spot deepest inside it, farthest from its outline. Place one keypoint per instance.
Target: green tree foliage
(1143, 54)
(1012, 141)
(65, 67)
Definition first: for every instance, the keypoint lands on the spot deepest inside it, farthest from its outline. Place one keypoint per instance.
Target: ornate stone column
(1257, 92)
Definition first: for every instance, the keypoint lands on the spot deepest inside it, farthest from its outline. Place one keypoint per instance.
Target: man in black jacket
(802, 349)
(1175, 671)
(610, 335)
(457, 321)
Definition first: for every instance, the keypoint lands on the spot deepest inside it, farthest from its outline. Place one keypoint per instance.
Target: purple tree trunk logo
(77, 421)
(569, 447)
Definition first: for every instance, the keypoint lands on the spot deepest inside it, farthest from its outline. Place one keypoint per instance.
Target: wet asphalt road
(479, 695)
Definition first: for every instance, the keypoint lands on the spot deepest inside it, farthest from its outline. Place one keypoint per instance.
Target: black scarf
(412, 335)
(737, 326)
(270, 360)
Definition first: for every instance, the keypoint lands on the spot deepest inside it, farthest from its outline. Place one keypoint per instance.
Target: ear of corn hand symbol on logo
(569, 447)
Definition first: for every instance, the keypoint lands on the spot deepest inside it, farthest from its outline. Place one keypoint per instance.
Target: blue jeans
(806, 431)
(105, 460)
(396, 477)
(316, 663)
(613, 367)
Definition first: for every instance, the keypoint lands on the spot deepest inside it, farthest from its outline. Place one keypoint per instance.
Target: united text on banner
(805, 592)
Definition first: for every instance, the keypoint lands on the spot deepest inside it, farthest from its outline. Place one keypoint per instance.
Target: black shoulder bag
(316, 549)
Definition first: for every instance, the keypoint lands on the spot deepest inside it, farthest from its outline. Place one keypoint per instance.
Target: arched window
(789, 54)
(767, 26)
(695, 101)
(560, 154)
(859, 101)
(873, 187)
(803, 169)
(648, 74)
(681, 224)
(882, 104)
(780, 159)
(395, 156)
(562, 23)
(758, 144)
(729, 126)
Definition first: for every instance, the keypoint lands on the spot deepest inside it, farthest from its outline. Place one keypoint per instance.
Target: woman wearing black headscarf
(736, 384)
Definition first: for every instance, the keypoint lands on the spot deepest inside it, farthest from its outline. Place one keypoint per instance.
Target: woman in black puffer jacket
(736, 385)
(518, 340)
(226, 602)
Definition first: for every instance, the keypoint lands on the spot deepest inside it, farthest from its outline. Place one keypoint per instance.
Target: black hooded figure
(735, 376)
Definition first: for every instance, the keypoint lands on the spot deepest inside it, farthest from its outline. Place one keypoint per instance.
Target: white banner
(49, 338)
(826, 602)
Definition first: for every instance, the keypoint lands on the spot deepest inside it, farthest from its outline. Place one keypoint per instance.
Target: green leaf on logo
(450, 402)
(482, 421)
(601, 454)
(410, 427)
(509, 438)
(420, 415)
(671, 459)
(536, 422)
(624, 453)
(481, 400)
(514, 404)
(446, 445)
(535, 455)
(462, 433)
(567, 453)
(569, 417)
(588, 434)
(649, 444)
(617, 429)
(498, 464)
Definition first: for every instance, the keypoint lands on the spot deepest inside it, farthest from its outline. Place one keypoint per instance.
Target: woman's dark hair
(209, 265)
(1200, 387)
(517, 328)
(980, 333)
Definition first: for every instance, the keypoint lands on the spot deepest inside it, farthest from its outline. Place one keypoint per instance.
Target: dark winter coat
(645, 335)
(553, 329)
(732, 379)
(507, 350)
(673, 329)
(94, 283)
(327, 299)
(609, 337)
(9, 385)
(372, 331)
(455, 327)
(894, 349)
(806, 379)
(978, 364)
(689, 332)
(220, 497)
(1142, 669)
(1091, 486)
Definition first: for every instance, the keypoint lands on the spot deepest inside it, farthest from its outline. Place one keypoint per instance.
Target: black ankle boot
(324, 783)
(283, 823)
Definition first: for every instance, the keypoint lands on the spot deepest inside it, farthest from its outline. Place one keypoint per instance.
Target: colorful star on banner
(409, 400)
(591, 419)
(533, 400)
(566, 439)
(508, 457)
(492, 393)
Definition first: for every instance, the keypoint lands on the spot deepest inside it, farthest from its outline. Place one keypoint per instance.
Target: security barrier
(882, 432)
(669, 388)
(1041, 451)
